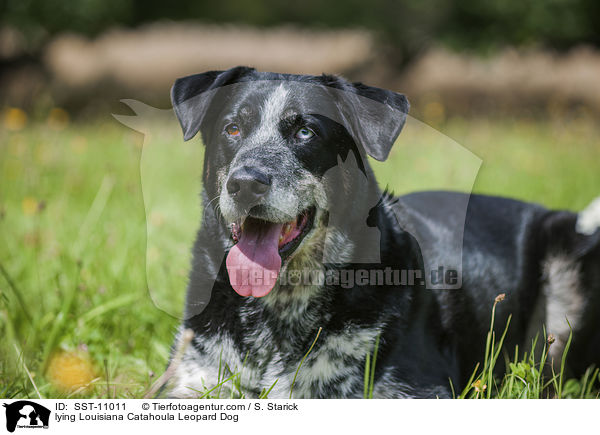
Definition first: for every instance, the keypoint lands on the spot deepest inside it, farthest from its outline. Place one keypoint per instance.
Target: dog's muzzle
(262, 241)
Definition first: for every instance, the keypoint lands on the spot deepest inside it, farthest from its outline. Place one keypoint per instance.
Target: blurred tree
(404, 27)
(38, 19)
(487, 25)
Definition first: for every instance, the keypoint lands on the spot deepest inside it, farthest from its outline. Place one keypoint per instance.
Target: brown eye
(232, 130)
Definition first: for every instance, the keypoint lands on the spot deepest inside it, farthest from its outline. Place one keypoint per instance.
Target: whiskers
(216, 208)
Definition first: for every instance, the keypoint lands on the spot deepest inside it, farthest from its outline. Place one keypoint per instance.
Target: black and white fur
(546, 262)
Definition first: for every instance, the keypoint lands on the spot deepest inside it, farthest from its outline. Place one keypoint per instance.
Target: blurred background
(515, 82)
(465, 56)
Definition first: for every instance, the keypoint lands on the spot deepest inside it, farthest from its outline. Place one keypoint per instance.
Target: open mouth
(254, 262)
(291, 234)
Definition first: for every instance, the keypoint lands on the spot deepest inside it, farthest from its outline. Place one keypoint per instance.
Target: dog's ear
(189, 106)
(375, 116)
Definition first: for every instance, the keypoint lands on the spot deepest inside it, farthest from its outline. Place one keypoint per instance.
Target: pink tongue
(253, 264)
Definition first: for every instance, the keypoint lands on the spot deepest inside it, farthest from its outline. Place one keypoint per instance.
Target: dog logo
(26, 414)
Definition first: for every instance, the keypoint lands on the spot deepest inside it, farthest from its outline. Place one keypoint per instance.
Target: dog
(287, 187)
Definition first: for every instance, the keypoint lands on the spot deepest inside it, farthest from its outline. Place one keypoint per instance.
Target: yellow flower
(70, 371)
(29, 205)
(79, 144)
(58, 119)
(479, 386)
(434, 113)
(14, 119)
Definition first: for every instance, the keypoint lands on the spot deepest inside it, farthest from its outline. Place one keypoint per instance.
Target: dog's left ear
(191, 100)
(375, 116)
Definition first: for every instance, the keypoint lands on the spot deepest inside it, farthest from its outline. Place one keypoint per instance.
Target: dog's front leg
(190, 373)
(207, 366)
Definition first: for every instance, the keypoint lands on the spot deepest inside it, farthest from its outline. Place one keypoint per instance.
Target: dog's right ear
(189, 106)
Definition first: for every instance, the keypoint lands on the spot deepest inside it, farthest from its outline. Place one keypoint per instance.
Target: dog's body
(271, 149)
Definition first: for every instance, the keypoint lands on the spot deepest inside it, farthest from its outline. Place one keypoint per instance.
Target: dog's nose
(247, 185)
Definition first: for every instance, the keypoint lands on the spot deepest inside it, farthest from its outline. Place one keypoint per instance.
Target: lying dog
(286, 185)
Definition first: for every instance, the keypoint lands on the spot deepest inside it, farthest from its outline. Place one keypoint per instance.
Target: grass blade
(372, 380)
(302, 361)
(17, 293)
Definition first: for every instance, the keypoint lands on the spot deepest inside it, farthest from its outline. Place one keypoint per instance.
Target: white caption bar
(104, 416)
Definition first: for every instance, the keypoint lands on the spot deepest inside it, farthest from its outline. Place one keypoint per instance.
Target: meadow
(94, 251)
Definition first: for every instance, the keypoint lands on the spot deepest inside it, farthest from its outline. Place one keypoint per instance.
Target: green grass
(527, 375)
(74, 245)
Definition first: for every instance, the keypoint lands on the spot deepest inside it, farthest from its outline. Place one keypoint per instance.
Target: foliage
(405, 27)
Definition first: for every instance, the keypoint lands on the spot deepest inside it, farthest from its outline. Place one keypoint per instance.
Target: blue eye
(304, 133)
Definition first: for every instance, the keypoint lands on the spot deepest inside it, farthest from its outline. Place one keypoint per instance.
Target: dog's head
(270, 140)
